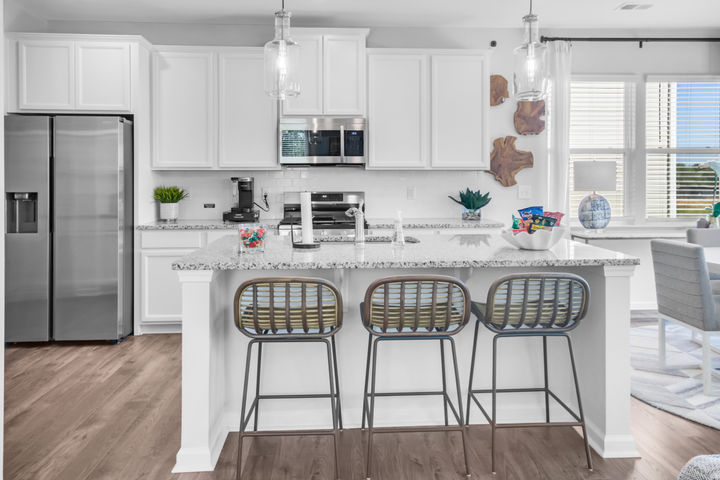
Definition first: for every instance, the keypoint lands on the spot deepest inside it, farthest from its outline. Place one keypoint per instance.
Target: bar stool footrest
(523, 390)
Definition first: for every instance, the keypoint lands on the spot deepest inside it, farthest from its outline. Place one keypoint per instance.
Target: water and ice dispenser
(22, 212)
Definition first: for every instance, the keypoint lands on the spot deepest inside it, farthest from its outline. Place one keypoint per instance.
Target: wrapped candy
(252, 237)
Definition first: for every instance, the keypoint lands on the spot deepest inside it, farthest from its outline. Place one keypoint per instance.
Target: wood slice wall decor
(506, 160)
(528, 119)
(498, 90)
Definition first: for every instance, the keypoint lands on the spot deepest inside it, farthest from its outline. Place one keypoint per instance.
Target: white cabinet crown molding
(79, 37)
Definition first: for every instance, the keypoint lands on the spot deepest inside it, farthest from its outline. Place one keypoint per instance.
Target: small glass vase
(469, 214)
(252, 237)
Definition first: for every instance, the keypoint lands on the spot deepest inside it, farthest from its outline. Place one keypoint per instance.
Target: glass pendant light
(282, 59)
(530, 77)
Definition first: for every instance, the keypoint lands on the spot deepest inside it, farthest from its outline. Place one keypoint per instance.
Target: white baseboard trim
(159, 328)
(611, 446)
(200, 459)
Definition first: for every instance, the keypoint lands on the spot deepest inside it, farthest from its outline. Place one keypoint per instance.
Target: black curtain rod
(629, 39)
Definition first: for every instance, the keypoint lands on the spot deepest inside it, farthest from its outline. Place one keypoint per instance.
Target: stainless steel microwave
(322, 141)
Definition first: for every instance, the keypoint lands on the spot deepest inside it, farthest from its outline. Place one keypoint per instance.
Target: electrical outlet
(524, 192)
(411, 193)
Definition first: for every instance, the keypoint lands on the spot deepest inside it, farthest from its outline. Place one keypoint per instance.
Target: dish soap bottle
(399, 237)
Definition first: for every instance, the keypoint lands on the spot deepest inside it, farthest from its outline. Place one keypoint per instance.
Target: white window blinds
(682, 131)
(597, 132)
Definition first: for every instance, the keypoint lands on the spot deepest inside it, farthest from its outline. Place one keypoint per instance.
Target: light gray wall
(17, 19)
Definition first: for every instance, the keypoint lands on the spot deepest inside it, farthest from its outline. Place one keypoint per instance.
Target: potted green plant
(473, 202)
(169, 198)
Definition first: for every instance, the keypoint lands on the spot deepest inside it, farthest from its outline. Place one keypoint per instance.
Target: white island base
(213, 350)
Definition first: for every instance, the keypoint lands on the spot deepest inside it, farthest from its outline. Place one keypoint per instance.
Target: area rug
(676, 391)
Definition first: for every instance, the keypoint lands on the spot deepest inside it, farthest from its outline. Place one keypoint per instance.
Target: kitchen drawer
(172, 239)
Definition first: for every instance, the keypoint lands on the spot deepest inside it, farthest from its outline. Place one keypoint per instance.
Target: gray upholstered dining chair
(685, 297)
(705, 237)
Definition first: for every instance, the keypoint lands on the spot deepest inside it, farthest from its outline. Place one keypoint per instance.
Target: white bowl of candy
(538, 240)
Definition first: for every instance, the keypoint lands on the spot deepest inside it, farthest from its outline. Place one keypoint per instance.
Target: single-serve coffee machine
(243, 204)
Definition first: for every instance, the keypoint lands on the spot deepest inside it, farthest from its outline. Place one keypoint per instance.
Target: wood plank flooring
(97, 411)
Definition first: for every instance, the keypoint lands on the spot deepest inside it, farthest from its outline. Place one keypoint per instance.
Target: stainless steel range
(328, 210)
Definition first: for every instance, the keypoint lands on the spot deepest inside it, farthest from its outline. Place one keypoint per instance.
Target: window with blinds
(682, 133)
(597, 132)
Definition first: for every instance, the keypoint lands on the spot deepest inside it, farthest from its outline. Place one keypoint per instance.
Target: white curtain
(559, 68)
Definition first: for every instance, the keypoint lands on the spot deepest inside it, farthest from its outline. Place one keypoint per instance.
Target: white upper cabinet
(103, 76)
(427, 109)
(46, 75)
(78, 73)
(184, 111)
(310, 100)
(460, 93)
(398, 110)
(210, 110)
(248, 117)
(332, 72)
(344, 75)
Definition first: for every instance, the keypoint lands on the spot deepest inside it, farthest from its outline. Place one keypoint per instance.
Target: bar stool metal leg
(337, 382)
(444, 381)
(371, 412)
(472, 373)
(580, 409)
(333, 403)
(463, 427)
(257, 387)
(242, 409)
(545, 372)
(367, 379)
(494, 398)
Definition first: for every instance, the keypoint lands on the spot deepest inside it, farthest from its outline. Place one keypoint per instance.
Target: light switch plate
(524, 192)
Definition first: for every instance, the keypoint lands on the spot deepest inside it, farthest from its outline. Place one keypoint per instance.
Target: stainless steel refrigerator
(69, 224)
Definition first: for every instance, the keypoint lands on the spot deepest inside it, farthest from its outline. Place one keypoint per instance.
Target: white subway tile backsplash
(386, 191)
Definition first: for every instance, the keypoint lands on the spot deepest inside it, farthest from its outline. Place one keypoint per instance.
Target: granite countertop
(200, 225)
(383, 223)
(433, 251)
(630, 232)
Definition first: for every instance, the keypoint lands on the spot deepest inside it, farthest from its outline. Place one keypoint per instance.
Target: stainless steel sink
(368, 239)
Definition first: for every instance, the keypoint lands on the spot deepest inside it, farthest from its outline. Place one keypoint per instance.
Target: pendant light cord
(530, 6)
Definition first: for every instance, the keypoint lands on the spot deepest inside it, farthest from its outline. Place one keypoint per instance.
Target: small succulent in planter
(473, 201)
(169, 198)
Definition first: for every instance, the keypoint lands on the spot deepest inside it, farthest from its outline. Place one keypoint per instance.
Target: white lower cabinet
(159, 289)
(161, 299)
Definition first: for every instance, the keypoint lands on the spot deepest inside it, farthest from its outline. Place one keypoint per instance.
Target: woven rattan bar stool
(289, 310)
(531, 305)
(422, 307)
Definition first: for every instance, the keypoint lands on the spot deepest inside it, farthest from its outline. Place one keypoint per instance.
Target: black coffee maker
(243, 208)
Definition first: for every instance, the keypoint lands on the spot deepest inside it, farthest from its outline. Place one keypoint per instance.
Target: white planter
(169, 211)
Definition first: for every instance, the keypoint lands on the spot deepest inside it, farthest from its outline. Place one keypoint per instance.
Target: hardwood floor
(98, 411)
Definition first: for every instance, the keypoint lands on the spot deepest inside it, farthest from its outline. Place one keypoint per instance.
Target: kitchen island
(213, 351)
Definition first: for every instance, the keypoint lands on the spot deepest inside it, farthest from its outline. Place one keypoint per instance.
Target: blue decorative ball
(594, 211)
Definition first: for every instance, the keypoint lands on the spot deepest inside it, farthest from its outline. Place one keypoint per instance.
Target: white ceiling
(678, 14)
